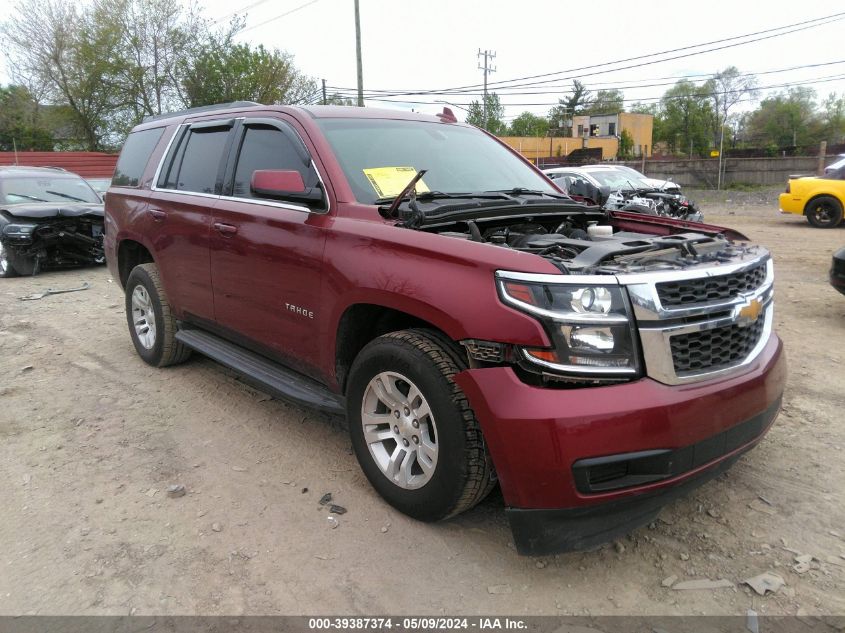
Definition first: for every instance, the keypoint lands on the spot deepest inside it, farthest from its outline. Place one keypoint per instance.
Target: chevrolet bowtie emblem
(749, 312)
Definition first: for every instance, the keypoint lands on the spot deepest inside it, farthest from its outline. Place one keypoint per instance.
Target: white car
(613, 178)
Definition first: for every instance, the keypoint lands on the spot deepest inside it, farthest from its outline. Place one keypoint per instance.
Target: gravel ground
(91, 437)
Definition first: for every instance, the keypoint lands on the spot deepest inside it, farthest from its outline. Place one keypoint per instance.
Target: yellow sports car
(820, 199)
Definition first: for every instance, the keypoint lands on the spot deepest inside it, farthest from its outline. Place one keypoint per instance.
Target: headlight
(19, 230)
(589, 324)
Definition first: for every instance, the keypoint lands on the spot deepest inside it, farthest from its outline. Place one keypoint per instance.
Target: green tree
(786, 118)
(336, 99)
(606, 102)
(626, 145)
(727, 88)
(833, 118)
(577, 101)
(21, 126)
(528, 124)
(495, 113)
(238, 72)
(685, 118)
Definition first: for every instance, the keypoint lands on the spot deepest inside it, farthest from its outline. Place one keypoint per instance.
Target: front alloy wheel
(413, 431)
(399, 429)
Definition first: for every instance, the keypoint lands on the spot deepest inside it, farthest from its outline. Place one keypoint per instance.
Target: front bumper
(536, 436)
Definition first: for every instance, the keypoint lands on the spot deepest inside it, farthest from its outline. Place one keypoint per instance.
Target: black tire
(164, 349)
(824, 212)
(7, 269)
(463, 474)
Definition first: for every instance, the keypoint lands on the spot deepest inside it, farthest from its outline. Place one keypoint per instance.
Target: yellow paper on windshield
(390, 181)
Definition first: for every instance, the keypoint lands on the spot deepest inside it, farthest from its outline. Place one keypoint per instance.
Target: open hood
(40, 210)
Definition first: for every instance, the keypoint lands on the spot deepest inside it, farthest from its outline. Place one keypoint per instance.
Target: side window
(267, 147)
(133, 159)
(200, 160)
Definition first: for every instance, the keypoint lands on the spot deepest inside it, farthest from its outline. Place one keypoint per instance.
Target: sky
(433, 45)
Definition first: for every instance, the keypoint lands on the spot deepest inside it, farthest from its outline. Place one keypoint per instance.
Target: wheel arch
(823, 194)
(362, 322)
(131, 253)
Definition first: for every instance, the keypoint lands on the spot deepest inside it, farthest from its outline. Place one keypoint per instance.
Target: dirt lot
(90, 438)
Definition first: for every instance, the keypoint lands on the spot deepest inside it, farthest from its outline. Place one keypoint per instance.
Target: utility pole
(324, 92)
(358, 55)
(487, 68)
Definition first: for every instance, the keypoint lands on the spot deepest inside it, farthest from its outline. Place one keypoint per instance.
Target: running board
(264, 373)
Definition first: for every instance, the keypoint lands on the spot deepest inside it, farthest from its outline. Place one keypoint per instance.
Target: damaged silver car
(49, 218)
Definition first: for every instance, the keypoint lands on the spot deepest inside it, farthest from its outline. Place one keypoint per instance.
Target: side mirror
(284, 184)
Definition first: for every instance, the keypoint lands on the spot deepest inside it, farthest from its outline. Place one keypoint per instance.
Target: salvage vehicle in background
(617, 187)
(837, 270)
(49, 218)
(100, 185)
(821, 200)
(476, 326)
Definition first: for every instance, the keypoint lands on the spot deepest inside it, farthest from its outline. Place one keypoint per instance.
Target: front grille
(710, 289)
(718, 348)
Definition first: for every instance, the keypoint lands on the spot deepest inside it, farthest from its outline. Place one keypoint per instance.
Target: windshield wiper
(64, 195)
(23, 195)
(521, 191)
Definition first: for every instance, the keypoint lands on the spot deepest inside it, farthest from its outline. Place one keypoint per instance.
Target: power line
(241, 10)
(817, 80)
(793, 28)
(613, 85)
(280, 16)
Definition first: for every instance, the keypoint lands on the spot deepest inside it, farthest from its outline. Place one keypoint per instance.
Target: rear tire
(824, 212)
(152, 326)
(424, 454)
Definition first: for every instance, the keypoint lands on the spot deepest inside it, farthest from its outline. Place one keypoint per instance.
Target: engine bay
(585, 245)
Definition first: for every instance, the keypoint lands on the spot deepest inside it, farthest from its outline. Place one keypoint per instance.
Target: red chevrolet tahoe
(473, 323)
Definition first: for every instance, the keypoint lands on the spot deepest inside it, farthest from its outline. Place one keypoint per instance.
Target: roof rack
(208, 108)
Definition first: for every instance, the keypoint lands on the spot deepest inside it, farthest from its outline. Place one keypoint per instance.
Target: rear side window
(133, 159)
(267, 147)
(200, 160)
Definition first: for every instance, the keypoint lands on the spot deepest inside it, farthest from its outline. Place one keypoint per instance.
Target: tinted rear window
(133, 159)
(201, 160)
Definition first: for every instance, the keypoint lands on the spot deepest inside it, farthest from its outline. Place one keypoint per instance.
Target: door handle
(158, 214)
(225, 229)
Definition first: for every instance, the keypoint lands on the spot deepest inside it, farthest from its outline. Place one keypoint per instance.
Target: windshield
(616, 179)
(458, 159)
(22, 189)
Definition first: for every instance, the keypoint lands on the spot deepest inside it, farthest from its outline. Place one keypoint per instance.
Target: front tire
(414, 434)
(824, 212)
(152, 326)
(6, 267)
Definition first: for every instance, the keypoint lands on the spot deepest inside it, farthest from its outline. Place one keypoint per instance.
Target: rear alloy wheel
(414, 434)
(6, 268)
(152, 325)
(824, 212)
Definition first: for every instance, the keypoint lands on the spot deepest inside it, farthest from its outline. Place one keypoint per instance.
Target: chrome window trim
(154, 185)
(259, 201)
